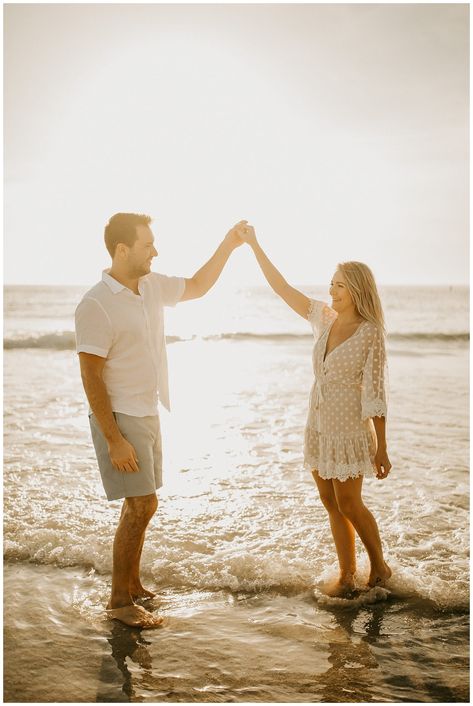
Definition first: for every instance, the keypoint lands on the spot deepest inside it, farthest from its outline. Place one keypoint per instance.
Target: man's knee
(141, 508)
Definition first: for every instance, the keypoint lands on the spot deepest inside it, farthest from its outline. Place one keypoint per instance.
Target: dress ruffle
(339, 456)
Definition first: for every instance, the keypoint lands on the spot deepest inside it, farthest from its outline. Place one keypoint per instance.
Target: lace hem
(320, 315)
(339, 456)
(373, 408)
(339, 472)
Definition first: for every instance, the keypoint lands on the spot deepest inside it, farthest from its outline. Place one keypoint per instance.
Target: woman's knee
(326, 492)
(329, 502)
(348, 506)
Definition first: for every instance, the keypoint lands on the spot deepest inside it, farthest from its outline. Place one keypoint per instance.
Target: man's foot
(134, 615)
(141, 592)
(343, 587)
(379, 578)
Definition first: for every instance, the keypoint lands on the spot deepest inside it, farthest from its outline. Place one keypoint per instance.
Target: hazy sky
(340, 131)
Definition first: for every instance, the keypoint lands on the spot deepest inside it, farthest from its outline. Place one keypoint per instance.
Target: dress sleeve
(374, 381)
(94, 332)
(320, 315)
(172, 288)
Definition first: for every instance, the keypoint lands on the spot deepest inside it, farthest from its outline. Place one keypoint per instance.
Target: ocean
(240, 542)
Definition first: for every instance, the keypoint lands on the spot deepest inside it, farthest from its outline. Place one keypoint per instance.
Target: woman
(345, 436)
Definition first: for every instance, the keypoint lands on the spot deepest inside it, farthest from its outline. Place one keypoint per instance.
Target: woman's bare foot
(141, 592)
(379, 578)
(135, 615)
(339, 588)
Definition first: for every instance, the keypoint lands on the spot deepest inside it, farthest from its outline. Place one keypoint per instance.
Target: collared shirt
(128, 330)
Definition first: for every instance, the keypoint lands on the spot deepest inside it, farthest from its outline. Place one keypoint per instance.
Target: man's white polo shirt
(128, 330)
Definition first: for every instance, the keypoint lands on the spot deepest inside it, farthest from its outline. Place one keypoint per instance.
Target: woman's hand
(233, 237)
(247, 233)
(382, 463)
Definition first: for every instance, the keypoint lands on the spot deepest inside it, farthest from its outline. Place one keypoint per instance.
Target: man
(121, 346)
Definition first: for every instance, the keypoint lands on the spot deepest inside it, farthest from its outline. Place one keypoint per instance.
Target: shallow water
(221, 646)
(240, 540)
(238, 510)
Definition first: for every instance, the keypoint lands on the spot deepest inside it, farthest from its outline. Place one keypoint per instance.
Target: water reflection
(284, 648)
(354, 671)
(126, 643)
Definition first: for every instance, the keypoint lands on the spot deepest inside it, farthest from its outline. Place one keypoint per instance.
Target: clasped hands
(241, 233)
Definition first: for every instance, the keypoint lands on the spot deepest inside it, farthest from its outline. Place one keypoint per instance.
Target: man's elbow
(194, 289)
(91, 378)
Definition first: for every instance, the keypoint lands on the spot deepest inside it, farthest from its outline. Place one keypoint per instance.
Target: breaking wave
(65, 340)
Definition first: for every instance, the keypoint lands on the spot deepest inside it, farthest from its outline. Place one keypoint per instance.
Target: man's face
(140, 255)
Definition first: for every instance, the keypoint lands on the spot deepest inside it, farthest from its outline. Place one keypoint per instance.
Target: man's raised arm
(205, 278)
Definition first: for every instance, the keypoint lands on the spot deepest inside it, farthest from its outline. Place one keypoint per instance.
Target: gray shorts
(144, 434)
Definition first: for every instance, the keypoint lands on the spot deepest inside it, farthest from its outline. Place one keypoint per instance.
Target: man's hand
(246, 233)
(233, 237)
(123, 456)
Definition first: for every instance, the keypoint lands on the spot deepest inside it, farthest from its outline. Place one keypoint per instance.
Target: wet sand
(223, 647)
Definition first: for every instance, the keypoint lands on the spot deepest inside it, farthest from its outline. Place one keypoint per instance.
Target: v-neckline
(326, 355)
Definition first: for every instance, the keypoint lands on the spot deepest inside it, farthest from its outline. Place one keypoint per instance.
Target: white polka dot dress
(348, 390)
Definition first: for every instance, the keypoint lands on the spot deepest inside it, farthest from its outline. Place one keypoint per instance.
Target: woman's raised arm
(295, 299)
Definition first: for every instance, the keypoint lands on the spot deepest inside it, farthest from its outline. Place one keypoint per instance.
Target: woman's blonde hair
(364, 292)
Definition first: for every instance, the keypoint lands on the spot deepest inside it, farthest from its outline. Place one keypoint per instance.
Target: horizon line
(255, 284)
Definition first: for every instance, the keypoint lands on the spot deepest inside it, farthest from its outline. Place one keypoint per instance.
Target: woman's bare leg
(343, 535)
(350, 504)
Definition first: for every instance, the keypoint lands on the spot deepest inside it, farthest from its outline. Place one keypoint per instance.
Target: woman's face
(341, 297)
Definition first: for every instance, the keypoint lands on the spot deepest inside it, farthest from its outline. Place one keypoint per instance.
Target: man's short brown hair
(121, 228)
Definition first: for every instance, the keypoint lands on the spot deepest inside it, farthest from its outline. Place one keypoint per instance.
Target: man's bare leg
(137, 590)
(129, 537)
